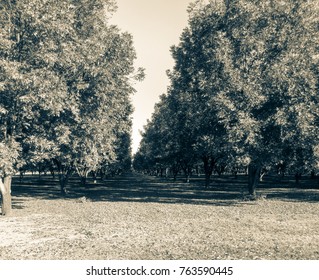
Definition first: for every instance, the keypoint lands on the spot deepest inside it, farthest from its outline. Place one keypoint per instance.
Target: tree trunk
(39, 175)
(262, 174)
(235, 172)
(207, 180)
(253, 178)
(175, 171)
(174, 176)
(162, 172)
(6, 202)
(187, 172)
(63, 179)
(21, 176)
(209, 164)
(208, 173)
(52, 173)
(83, 182)
(62, 184)
(220, 169)
(94, 175)
(187, 178)
(166, 172)
(297, 178)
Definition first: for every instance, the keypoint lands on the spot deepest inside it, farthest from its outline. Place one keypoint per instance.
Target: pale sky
(156, 25)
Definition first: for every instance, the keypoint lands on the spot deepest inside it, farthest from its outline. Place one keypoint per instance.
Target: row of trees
(65, 85)
(243, 92)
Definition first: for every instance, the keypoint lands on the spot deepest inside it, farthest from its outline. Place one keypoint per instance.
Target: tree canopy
(244, 87)
(65, 85)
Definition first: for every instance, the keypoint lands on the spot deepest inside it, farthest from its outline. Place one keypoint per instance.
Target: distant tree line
(243, 92)
(66, 77)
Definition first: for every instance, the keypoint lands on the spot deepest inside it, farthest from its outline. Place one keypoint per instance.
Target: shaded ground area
(128, 187)
(223, 190)
(141, 217)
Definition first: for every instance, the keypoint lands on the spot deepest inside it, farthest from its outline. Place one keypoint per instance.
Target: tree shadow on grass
(286, 189)
(140, 188)
(18, 203)
(132, 187)
(128, 188)
(304, 195)
(33, 186)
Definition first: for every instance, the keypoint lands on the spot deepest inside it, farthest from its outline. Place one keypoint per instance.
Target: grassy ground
(141, 217)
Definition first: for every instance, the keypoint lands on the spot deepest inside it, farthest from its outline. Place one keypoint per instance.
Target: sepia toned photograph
(159, 130)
